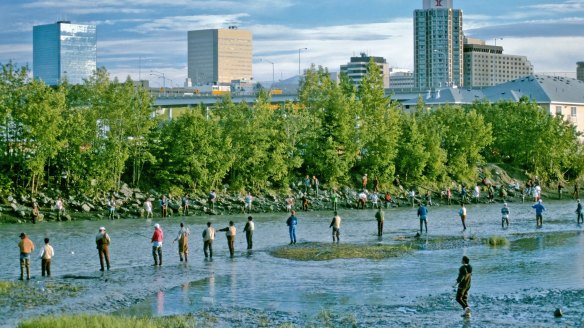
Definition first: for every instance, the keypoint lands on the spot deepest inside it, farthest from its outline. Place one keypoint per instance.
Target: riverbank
(129, 202)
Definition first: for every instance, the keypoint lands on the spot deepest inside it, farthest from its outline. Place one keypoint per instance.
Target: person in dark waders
(463, 281)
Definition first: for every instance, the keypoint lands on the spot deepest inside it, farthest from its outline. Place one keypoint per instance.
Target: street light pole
(300, 49)
(160, 74)
(271, 62)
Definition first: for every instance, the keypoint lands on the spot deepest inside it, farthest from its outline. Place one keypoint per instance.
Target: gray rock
(85, 208)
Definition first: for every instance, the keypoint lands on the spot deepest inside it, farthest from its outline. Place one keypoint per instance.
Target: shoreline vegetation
(96, 141)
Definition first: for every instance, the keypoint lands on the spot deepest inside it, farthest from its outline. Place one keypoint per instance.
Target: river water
(517, 285)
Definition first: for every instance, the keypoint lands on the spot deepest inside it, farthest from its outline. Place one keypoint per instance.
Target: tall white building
(356, 68)
(438, 45)
(219, 55)
(486, 65)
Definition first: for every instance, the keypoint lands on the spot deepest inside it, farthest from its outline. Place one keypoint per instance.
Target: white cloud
(570, 6)
(182, 24)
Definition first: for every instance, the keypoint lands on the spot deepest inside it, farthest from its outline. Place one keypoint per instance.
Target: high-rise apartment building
(438, 45)
(219, 55)
(486, 65)
(356, 68)
(64, 51)
(580, 71)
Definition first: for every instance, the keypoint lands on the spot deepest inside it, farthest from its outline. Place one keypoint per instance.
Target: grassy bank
(23, 295)
(110, 321)
(324, 252)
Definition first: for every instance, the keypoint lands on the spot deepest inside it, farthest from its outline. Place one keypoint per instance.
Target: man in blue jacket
(539, 209)
(292, 222)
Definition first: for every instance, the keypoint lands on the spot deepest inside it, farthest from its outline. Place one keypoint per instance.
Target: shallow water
(415, 288)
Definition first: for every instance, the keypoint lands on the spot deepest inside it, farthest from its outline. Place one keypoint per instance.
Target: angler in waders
(183, 242)
(463, 281)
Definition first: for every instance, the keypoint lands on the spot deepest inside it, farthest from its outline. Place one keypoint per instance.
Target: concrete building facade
(219, 55)
(356, 68)
(401, 80)
(438, 45)
(64, 51)
(486, 65)
(580, 71)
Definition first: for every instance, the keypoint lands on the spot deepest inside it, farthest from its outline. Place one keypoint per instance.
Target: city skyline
(136, 36)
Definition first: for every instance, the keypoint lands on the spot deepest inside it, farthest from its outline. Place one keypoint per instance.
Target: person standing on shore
(47, 253)
(230, 233)
(464, 281)
(334, 200)
(505, 216)
(423, 216)
(157, 239)
(291, 223)
(305, 202)
(212, 199)
(26, 247)
(248, 200)
(183, 242)
(102, 240)
(576, 193)
(364, 181)
(148, 208)
(306, 183)
(375, 184)
(249, 228)
(380, 217)
(208, 237)
(336, 225)
(316, 184)
(539, 209)
(560, 189)
(462, 214)
(362, 199)
(185, 202)
(35, 213)
(111, 203)
(60, 206)
(579, 212)
(164, 206)
(289, 203)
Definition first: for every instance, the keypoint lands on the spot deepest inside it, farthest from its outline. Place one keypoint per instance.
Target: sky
(136, 37)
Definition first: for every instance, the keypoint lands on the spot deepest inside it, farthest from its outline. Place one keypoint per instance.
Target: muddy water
(520, 284)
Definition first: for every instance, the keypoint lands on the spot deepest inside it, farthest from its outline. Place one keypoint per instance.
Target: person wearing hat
(539, 209)
(26, 247)
(102, 240)
(183, 242)
(157, 238)
(505, 216)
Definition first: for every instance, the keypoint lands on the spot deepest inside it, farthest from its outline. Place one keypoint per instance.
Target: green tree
(332, 147)
(380, 127)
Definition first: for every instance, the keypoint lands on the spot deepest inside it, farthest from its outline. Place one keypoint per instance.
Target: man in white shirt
(47, 253)
(208, 237)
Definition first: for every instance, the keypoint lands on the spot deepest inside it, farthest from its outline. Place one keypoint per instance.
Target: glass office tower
(438, 45)
(64, 51)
